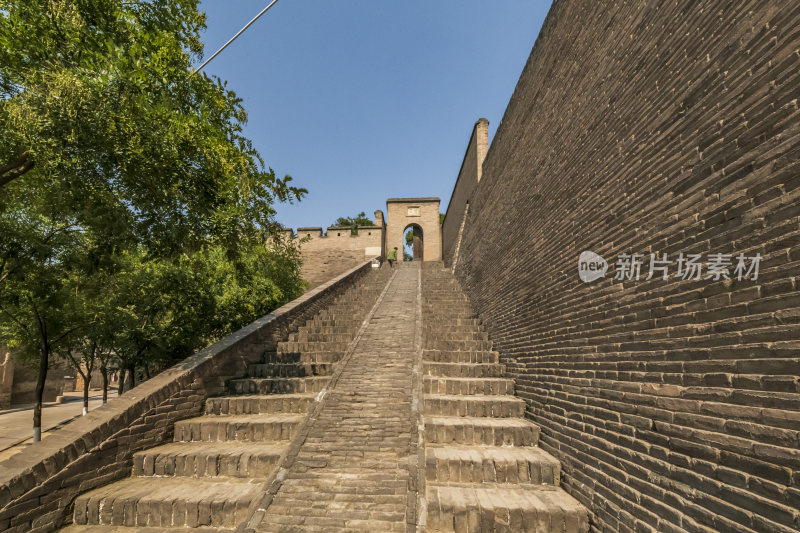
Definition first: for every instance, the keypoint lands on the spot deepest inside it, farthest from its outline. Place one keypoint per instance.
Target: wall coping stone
(412, 200)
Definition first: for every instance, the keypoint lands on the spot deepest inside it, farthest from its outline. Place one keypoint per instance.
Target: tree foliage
(136, 219)
(98, 109)
(360, 219)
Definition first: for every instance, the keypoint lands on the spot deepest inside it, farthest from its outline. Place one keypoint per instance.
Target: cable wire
(224, 46)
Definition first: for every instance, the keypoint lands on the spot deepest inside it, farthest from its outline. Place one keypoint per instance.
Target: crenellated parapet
(368, 239)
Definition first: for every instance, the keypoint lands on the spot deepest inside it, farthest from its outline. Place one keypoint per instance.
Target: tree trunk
(86, 394)
(44, 358)
(146, 372)
(104, 372)
(121, 381)
(131, 377)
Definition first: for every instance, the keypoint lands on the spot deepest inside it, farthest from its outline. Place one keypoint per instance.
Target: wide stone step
(321, 337)
(481, 431)
(346, 315)
(288, 370)
(326, 330)
(482, 386)
(491, 464)
(464, 329)
(432, 290)
(452, 321)
(464, 370)
(446, 306)
(262, 403)
(297, 347)
(209, 459)
(170, 502)
(333, 323)
(303, 358)
(449, 316)
(466, 345)
(443, 333)
(277, 385)
(122, 529)
(521, 509)
(238, 428)
(476, 406)
(279, 523)
(452, 356)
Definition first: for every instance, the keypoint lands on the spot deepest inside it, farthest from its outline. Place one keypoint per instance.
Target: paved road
(17, 424)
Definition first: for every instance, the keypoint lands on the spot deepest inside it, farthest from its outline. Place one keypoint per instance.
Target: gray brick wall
(652, 127)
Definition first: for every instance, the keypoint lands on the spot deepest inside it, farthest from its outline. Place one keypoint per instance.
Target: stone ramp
(352, 473)
(217, 466)
(483, 469)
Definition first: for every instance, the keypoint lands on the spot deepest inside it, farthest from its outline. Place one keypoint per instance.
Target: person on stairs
(392, 257)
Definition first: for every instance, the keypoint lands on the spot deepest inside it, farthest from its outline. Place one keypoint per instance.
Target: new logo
(591, 266)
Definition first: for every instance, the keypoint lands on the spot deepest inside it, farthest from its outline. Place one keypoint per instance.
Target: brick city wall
(340, 238)
(652, 127)
(326, 255)
(468, 177)
(39, 484)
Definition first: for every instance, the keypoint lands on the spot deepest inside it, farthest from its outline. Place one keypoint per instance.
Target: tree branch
(15, 319)
(75, 363)
(69, 331)
(15, 169)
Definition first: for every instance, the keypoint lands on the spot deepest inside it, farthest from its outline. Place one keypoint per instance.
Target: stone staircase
(484, 471)
(206, 479)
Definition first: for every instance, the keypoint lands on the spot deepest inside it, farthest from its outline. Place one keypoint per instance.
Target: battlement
(327, 252)
(330, 232)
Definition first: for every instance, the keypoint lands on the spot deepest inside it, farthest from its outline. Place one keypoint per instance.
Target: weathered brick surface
(352, 471)
(652, 127)
(326, 255)
(39, 485)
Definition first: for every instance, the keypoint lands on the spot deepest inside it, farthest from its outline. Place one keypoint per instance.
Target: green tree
(40, 271)
(116, 162)
(98, 110)
(360, 219)
(82, 357)
(153, 312)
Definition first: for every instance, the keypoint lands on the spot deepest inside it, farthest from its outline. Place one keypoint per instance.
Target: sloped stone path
(352, 473)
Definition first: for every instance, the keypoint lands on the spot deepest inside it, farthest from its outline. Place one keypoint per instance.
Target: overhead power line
(224, 46)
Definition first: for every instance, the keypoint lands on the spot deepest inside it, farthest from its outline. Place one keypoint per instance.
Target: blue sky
(363, 100)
